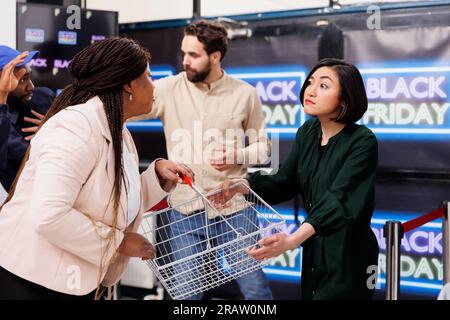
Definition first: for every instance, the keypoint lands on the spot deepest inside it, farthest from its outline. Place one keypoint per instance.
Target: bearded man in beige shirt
(214, 123)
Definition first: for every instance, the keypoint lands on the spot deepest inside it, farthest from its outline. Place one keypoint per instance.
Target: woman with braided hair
(68, 225)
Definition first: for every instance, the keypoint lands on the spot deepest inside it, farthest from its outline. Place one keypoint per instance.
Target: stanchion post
(446, 241)
(112, 293)
(393, 232)
(116, 291)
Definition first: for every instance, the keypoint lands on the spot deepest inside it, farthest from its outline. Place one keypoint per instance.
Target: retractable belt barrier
(393, 232)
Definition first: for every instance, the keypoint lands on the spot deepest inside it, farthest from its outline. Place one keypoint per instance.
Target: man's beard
(17, 103)
(198, 76)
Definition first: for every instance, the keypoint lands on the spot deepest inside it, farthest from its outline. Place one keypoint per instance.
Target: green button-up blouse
(337, 186)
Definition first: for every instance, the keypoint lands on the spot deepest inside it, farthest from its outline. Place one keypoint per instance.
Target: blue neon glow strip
(434, 225)
(282, 272)
(269, 75)
(414, 284)
(404, 70)
(144, 124)
(161, 74)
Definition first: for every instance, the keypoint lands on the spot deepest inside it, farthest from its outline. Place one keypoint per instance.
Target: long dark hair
(101, 69)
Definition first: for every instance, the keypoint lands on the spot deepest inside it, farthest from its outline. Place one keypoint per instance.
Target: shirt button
(312, 269)
(313, 292)
(310, 205)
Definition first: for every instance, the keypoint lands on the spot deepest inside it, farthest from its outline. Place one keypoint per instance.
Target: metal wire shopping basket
(199, 249)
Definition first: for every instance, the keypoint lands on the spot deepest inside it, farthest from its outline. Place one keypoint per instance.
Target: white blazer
(53, 230)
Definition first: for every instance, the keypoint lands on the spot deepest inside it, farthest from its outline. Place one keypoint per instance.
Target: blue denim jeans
(188, 237)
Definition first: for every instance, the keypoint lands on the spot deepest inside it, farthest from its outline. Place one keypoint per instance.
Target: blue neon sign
(278, 88)
(421, 260)
(408, 100)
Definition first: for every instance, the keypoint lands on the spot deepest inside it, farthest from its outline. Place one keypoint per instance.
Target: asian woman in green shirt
(332, 164)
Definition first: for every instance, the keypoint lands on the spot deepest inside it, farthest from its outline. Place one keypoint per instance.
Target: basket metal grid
(201, 249)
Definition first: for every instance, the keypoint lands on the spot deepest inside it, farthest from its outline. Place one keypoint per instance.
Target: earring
(131, 97)
(343, 110)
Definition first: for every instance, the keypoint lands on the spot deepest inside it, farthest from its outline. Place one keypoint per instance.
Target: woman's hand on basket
(221, 199)
(136, 245)
(168, 173)
(272, 246)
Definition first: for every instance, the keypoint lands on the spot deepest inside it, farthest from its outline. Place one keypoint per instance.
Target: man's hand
(224, 157)
(221, 199)
(9, 78)
(37, 121)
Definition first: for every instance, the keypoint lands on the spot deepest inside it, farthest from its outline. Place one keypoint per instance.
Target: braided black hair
(102, 69)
